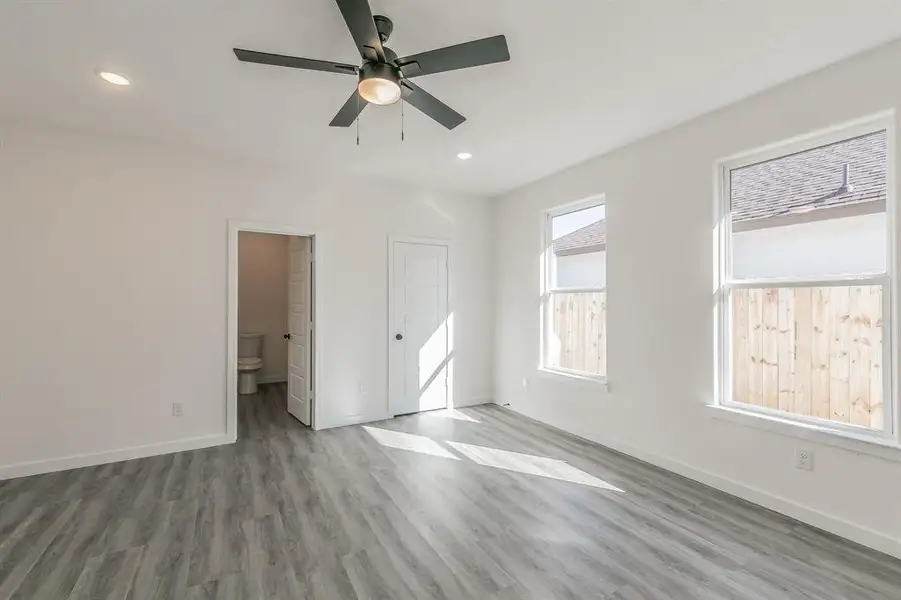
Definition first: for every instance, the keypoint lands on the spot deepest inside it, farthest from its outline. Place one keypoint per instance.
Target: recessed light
(114, 78)
(464, 156)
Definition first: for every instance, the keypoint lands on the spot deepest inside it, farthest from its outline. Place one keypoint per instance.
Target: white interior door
(419, 360)
(300, 306)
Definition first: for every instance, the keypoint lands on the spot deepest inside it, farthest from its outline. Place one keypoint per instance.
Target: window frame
(725, 284)
(547, 289)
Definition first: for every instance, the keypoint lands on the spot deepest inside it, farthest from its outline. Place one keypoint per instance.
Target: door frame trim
(389, 336)
(231, 354)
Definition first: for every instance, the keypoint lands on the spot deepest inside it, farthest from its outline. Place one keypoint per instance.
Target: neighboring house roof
(591, 238)
(771, 189)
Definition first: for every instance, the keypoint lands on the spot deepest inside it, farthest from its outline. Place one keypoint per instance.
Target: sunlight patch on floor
(450, 413)
(529, 465)
(408, 441)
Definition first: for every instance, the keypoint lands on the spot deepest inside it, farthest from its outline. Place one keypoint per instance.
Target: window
(574, 303)
(804, 305)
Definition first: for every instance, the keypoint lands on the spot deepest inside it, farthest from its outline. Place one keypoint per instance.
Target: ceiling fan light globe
(379, 83)
(377, 90)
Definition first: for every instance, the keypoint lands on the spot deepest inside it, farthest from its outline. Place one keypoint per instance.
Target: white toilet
(250, 361)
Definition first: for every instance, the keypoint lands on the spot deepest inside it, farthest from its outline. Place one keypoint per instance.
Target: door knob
(398, 337)
(287, 336)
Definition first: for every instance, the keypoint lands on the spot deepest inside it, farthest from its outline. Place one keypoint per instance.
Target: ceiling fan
(383, 77)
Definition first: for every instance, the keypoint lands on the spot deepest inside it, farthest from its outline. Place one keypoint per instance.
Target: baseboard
(850, 531)
(475, 402)
(273, 379)
(101, 458)
(855, 533)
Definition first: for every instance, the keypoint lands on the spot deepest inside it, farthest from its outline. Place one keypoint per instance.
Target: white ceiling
(586, 76)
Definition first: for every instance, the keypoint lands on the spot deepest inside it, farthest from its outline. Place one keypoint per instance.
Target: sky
(565, 224)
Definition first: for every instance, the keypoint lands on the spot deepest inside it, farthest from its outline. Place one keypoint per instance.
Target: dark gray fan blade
(350, 111)
(358, 17)
(278, 60)
(430, 105)
(462, 56)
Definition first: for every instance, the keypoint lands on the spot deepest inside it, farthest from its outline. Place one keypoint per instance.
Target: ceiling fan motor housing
(390, 55)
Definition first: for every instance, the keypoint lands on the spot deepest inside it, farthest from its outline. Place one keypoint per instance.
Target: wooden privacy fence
(579, 337)
(813, 351)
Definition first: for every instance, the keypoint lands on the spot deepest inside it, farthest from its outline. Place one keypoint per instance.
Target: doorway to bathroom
(271, 323)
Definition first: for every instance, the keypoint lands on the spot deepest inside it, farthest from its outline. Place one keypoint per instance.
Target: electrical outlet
(362, 390)
(525, 384)
(178, 409)
(804, 460)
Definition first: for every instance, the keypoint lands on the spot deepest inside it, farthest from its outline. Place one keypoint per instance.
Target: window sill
(821, 434)
(571, 377)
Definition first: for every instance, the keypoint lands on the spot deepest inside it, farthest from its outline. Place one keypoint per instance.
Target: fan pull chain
(358, 118)
(402, 118)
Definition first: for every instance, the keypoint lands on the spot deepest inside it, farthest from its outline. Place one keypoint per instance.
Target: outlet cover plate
(804, 460)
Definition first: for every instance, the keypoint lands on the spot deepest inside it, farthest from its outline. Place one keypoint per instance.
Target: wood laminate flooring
(479, 503)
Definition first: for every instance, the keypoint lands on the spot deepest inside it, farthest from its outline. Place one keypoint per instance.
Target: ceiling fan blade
(430, 105)
(278, 60)
(358, 17)
(462, 56)
(350, 111)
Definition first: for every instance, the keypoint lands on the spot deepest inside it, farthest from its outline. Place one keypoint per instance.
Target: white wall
(582, 270)
(850, 245)
(263, 297)
(660, 280)
(113, 261)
